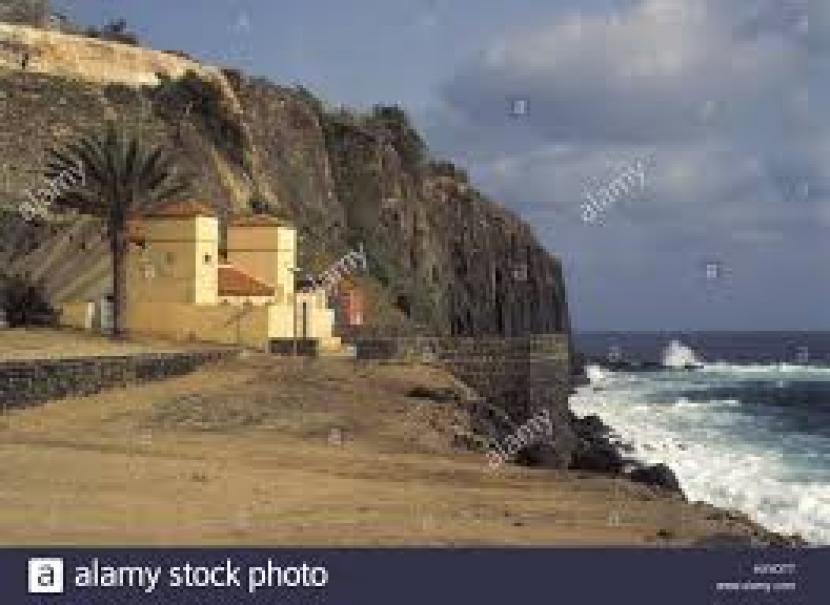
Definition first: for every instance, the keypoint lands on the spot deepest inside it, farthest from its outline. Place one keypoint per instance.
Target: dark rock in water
(651, 366)
(658, 475)
(624, 446)
(594, 451)
(579, 380)
(600, 457)
(591, 426)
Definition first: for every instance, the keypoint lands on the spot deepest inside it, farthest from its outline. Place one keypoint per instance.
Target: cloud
(666, 69)
(717, 95)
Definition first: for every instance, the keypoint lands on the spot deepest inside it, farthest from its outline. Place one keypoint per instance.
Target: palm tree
(120, 175)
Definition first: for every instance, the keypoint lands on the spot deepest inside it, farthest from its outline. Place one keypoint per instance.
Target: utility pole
(294, 271)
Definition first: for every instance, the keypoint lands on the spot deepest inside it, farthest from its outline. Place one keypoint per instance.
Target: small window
(170, 257)
(208, 259)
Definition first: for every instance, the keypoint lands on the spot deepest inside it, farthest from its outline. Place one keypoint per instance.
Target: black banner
(415, 576)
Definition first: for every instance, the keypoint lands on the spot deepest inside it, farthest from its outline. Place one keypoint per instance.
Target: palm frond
(120, 173)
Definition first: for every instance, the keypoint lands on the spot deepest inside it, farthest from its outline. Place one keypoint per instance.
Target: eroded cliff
(443, 258)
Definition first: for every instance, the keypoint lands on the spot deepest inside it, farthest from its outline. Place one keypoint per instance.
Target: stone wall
(304, 347)
(520, 375)
(29, 382)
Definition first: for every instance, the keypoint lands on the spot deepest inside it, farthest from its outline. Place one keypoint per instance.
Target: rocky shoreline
(601, 450)
(597, 450)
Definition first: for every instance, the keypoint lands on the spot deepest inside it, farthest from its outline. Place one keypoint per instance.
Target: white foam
(771, 369)
(677, 355)
(596, 375)
(712, 403)
(720, 454)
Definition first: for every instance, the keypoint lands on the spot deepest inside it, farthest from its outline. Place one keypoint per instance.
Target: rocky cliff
(443, 257)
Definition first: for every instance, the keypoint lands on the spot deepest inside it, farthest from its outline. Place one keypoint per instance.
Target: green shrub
(24, 303)
(113, 31)
(448, 169)
(404, 138)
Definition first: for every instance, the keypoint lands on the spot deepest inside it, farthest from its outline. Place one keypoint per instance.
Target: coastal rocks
(590, 426)
(597, 452)
(594, 451)
(750, 535)
(597, 457)
(658, 475)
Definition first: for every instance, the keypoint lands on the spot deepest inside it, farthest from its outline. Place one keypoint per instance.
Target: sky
(668, 151)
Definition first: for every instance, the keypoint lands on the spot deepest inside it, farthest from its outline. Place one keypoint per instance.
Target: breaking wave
(752, 438)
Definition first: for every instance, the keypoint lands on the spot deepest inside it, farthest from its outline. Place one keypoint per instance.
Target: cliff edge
(444, 259)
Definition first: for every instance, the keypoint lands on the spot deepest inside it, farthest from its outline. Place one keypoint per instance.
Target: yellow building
(179, 287)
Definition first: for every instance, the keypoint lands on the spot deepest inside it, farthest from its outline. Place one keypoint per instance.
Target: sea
(743, 419)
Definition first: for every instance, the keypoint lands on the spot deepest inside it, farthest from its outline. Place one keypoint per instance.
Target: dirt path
(273, 452)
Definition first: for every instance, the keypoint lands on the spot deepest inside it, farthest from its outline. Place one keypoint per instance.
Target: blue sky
(729, 229)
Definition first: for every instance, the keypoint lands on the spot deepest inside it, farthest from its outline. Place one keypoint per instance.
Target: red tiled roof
(184, 209)
(235, 282)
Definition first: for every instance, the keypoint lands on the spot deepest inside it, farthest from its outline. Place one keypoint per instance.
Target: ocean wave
(677, 355)
(722, 454)
(758, 368)
(682, 402)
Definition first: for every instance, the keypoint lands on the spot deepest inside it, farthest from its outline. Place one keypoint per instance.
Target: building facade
(179, 287)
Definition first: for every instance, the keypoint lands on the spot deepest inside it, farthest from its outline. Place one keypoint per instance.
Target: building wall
(280, 317)
(350, 307)
(268, 252)
(286, 259)
(173, 287)
(248, 326)
(319, 321)
(178, 262)
(78, 315)
(247, 300)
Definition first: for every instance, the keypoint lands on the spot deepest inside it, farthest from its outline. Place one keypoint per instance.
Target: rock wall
(520, 376)
(444, 258)
(90, 59)
(29, 382)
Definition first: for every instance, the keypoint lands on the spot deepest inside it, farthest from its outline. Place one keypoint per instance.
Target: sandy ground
(34, 343)
(266, 451)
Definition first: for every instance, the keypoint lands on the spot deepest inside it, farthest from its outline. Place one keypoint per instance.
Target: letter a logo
(45, 576)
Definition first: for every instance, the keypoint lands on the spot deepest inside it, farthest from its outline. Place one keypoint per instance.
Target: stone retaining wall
(305, 347)
(28, 382)
(520, 375)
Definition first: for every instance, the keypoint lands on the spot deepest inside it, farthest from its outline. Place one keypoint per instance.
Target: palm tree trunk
(119, 281)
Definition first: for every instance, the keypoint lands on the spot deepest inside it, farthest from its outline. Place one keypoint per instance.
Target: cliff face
(443, 258)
